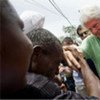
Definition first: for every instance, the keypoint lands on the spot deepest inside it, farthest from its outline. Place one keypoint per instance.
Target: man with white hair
(90, 18)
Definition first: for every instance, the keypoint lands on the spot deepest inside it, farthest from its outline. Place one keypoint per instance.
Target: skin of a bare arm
(92, 82)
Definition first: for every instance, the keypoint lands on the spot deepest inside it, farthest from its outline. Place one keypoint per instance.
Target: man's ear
(37, 49)
(36, 59)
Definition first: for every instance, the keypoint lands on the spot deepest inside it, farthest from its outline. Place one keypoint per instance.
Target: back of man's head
(67, 41)
(45, 39)
(47, 53)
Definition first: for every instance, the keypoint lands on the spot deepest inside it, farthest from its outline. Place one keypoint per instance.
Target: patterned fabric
(42, 89)
(50, 90)
(47, 88)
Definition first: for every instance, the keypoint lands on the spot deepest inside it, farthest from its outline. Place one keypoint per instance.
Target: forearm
(77, 63)
(92, 82)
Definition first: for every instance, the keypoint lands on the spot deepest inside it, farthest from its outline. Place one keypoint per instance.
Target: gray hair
(89, 12)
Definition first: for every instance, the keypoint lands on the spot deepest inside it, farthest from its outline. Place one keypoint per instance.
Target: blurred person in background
(64, 70)
(82, 32)
(90, 18)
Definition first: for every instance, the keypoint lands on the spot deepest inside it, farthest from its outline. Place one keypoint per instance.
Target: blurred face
(16, 49)
(83, 33)
(48, 63)
(94, 26)
(67, 43)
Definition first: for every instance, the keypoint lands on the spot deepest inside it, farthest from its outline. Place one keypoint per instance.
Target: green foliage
(70, 31)
(61, 38)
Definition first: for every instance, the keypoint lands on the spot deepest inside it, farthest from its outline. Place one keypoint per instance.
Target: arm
(91, 81)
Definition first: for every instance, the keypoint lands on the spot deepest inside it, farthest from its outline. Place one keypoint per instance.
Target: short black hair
(44, 38)
(67, 39)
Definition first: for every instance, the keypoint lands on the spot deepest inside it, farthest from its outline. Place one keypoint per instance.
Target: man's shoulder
(91, 38)
(88, 42)
(47, 87)
(36, 80)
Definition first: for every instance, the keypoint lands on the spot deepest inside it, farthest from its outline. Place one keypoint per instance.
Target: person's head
(67, 41)
(15, 51)
(90, 18)
(32, 20)
(82, 32)
(47, 53)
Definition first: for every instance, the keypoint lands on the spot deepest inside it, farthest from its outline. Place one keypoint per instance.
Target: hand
(72, 55)
(71, 60)
(61, 85)
(72, 48)
(66, 70)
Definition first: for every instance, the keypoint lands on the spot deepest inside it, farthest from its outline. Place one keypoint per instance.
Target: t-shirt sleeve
(86, 47)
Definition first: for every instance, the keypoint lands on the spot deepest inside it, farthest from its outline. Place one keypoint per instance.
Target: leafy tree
(71, 30)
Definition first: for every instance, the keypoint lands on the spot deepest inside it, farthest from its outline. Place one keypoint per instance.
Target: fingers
(71, 60)
(74, 50)
(74, 58)
(63, 87)
(57, 80)
(68, 48)
(66, 70)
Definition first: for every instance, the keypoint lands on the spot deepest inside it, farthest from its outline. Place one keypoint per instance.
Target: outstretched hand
(74, 57)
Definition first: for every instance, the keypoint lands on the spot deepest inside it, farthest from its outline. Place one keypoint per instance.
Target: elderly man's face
(94, 26)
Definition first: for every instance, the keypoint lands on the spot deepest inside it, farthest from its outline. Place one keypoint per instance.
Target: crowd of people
(30, 63)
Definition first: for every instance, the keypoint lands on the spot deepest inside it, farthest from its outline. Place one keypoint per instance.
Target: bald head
(16, 49)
